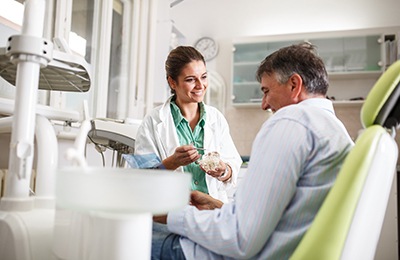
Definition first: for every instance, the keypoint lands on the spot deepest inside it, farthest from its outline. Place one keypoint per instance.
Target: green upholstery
(382, 98)
(326, 237)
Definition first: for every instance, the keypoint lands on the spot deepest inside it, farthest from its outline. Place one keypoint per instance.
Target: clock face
(208, 47)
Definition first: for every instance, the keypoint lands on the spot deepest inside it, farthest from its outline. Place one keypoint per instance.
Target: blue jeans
(164, 244)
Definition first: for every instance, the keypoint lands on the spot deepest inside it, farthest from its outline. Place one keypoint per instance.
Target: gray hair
(301, 59)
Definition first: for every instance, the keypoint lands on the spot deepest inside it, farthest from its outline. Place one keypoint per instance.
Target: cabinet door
(246, 59)
(350, 54)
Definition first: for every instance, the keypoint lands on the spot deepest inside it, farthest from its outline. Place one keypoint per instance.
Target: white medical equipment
(109, 210)
(116, 135)
(101, 213)
(64, 72)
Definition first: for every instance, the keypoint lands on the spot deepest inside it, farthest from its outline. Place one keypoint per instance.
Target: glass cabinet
(246, 58)
(343, 55)
(348, 57)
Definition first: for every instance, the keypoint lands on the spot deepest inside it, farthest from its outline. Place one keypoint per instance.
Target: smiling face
(191, 84)
(277, 95)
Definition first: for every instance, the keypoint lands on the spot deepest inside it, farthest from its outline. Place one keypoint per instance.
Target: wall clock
(208, 47)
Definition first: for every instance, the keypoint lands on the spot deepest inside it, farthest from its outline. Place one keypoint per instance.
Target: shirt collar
(178, 117)
(202, 114)
(323, 103)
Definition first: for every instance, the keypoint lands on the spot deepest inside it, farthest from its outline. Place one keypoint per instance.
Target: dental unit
(76, 212)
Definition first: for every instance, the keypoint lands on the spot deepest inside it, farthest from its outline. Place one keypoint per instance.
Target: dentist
(176, 130)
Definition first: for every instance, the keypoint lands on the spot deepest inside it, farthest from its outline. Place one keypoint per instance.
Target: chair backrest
(382, 104)
(350, 219)
(349, 223)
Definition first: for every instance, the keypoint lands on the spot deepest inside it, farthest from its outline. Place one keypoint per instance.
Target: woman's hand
(204, 201)
(219, 171)
(183, 155)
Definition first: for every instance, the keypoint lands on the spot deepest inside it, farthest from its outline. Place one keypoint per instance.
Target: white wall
(233, 18)
(228, 19)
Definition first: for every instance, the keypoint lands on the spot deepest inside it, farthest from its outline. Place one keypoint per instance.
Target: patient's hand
(204, 201)
(160, 219)
(198, 199)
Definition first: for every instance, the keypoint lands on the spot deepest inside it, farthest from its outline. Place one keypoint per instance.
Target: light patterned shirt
(294, 161)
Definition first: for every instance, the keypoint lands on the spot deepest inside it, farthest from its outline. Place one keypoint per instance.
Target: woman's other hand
(218, 171)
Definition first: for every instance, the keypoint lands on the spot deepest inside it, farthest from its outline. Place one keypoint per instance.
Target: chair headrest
(382, 105)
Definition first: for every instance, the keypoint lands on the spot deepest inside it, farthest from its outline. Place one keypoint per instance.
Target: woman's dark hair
(178, 58)
(301, 59)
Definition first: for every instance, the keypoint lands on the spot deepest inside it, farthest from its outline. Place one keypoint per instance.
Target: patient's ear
(296, 83)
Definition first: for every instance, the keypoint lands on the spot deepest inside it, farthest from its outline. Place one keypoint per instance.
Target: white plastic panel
(119, 190)
(361, 242)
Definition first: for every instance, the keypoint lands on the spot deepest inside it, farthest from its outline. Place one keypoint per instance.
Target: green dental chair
(349, 223)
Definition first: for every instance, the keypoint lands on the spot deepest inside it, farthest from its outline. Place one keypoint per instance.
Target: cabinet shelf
(247, 105)
(331, 75)
(246, 63)
(354, 75)
(246, 83)
(348, 103)
(336, 103)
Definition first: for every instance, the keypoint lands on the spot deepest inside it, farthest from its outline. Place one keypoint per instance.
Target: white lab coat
(157, 134)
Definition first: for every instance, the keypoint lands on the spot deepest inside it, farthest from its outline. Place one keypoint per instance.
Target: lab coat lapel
(167, 131)
(209, 131)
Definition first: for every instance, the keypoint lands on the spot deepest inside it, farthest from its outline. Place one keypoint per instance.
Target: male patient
(293, 163)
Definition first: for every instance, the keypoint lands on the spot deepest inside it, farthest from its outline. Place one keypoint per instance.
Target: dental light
(64, 72)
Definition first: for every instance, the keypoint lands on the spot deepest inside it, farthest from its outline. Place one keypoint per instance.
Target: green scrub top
(195, 137)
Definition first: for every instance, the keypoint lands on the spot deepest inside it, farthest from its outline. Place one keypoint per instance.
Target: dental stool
(348, 225)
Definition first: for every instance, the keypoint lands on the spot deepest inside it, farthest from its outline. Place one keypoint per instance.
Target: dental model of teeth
(210, 161)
